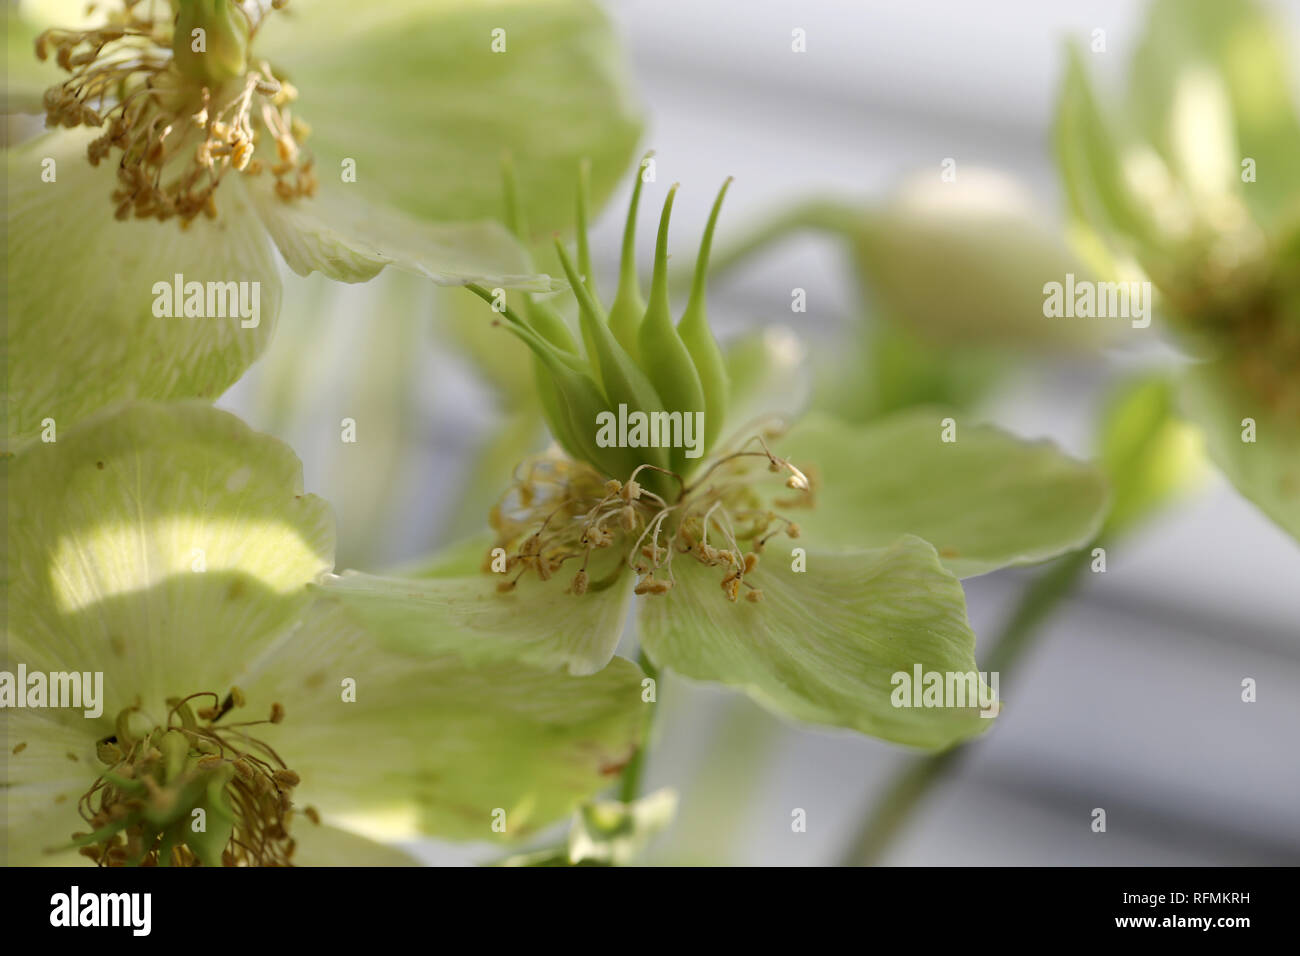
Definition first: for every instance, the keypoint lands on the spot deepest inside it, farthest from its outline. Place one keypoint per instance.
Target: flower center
(190, 791)
(560, 510)
(181, 101)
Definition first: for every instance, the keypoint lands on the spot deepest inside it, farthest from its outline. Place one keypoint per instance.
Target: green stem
(903, 797)
(812, 215)
(629, 787)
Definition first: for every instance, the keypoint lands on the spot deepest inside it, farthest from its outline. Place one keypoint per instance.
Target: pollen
(177, 134)
(144, 809)
(559, 510)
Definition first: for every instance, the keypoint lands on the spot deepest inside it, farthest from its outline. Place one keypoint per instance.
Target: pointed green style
(664, 356)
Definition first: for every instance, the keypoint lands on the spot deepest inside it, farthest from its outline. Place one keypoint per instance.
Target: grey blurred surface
(1131, 699)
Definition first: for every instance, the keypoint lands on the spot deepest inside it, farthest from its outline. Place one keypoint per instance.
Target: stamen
(140, 809)
(178, 137)
(559, 509)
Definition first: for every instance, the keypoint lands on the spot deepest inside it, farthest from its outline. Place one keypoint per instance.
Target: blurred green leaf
(893, 370)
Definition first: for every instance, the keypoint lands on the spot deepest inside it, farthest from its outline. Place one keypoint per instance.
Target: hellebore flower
(807, 564)
(1194, 186)
(194, 139)
(168, 548)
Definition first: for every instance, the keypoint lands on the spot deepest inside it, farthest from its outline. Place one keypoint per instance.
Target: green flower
(808, 564)
(346, 136)
(168, 548)
(1193, 184)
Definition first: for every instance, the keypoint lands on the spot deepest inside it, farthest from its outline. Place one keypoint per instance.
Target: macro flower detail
(169, 548)
(181, 102)
(805, 562)
(193, 113)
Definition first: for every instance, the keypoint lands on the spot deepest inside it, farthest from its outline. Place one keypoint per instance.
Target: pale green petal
(413, 92)
(432, 746)
(464, 614)
(1267, 470)
(823, 645)
(985, 501)
(325, 845)
(163, 545)
(1148, 452)
(82, 330)
(351, 240)
(1245, 50)
(1088, 155)
(42, 783)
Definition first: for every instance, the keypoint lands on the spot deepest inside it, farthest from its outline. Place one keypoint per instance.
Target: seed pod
(624, 383)
(552, 408)
(582, 401)
(578, 398)
(698, 338)
(226, 29)
(628, 307)
(664, 357)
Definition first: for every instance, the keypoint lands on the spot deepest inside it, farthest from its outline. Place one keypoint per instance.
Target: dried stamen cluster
(144, 809)
(559, 510)
(179, 131)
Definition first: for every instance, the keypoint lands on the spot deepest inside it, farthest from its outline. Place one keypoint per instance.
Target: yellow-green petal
(461, 612)
(163, 545)
(413, 92)
(1242, 48)
(41, 783)
(824, 645)
(85, 291)
(325, 845)
(429, 745)
(1150, 454)
(986, 500)
(1256, 445)
(351, 240)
